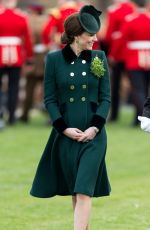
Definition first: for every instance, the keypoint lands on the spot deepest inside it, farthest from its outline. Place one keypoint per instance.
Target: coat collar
(70, 56)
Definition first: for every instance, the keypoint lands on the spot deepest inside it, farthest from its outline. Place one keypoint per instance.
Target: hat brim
(89, 19)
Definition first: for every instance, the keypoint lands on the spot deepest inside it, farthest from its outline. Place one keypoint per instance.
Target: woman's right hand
(73, 133)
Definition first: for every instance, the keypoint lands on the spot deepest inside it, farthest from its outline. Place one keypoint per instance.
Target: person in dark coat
(35, 76)
(77, 97)
(145, 118)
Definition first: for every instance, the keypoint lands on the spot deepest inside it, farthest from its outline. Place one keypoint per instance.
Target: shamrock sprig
(97, 67)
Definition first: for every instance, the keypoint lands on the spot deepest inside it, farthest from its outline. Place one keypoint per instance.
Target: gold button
(71, 99)
(84, 86)
(72, 87)
(83, 98)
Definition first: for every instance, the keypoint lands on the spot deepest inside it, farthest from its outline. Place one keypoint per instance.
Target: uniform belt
(138, 45)
(39, 48)
(10, 41)
(116, 35)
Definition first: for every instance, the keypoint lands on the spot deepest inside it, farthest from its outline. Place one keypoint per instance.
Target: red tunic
(115, 18)
(15, 38)
(47, 30)
(56, 22)
(135, 35)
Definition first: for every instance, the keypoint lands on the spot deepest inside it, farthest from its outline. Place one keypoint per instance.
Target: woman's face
(86, 40)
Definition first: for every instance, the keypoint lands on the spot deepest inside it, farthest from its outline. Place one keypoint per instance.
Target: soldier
(136, 37)
(115, 18)
(54, 26)
(49, 29)
(35, 76)
(15, 48)
(145, 118)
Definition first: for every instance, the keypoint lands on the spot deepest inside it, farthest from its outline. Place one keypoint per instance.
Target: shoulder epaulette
(2, 10)
(70, 4)
(20, 12)
(113, 8)
(148, 13)
(131, 17)
(54, 12)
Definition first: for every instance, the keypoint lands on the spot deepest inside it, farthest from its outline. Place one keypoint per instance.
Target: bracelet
(95, 129)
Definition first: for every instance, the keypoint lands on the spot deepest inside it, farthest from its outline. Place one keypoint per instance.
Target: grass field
(128, 163)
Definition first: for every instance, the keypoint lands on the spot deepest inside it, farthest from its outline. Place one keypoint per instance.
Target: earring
(77, 41)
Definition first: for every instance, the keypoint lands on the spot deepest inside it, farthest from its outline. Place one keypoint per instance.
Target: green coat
(74, 97)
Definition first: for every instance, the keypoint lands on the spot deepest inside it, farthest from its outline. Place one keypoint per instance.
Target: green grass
(128, 163)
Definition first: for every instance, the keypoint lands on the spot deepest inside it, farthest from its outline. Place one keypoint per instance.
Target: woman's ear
(76, 39)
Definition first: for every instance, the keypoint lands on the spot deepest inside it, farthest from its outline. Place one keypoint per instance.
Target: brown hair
(72, 28)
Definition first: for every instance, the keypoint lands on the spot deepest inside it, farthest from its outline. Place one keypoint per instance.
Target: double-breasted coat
(74, 97)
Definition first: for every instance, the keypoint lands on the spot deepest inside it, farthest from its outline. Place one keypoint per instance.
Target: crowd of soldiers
(26, 38)
(128, 41)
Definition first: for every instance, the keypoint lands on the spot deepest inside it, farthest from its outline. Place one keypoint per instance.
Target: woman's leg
(82, 208)
(74, 205)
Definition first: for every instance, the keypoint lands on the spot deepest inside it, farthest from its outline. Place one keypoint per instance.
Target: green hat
(89, 18)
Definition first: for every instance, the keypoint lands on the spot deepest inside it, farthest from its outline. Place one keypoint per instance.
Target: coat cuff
(98, 121)
(60, 125)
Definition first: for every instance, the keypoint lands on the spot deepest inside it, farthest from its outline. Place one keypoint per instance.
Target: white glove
(145, 123)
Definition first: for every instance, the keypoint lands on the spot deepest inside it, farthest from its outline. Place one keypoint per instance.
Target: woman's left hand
(88, 135)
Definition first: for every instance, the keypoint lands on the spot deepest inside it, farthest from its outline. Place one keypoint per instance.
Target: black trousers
(140, 82)
(13, 74)
(116, 75)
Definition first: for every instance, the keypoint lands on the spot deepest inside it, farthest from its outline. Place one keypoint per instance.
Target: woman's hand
(88, 135)
(73, 133)
(78, 135)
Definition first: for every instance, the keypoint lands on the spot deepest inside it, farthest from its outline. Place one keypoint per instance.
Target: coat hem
(68, 194)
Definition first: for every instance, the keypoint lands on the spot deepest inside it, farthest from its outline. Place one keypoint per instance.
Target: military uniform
(54, 26)
(115, 16)
(15, 49)
(36, 75)
(135, 36)
(74, 97)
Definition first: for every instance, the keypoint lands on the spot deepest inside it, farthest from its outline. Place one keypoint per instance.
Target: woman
(77, 97)
(145, 118)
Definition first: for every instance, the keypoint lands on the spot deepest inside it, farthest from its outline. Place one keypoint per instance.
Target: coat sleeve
(104, 97)
(50, 94)
(146, 111)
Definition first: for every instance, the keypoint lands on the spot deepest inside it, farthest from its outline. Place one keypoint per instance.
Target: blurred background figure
(15, 48)
(135, 36)
(115, 15)
(54, 26)
(35, 76)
